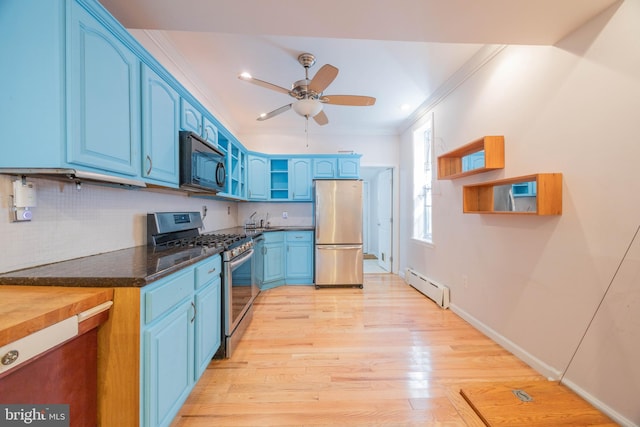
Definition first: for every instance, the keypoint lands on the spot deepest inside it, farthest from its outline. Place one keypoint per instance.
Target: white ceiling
(399, 52)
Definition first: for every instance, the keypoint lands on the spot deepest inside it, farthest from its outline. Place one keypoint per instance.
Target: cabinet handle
(206, 134)
(211, 271)
(150, 164)
(194, 311)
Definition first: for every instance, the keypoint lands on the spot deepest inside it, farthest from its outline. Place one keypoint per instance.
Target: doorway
(378, 219)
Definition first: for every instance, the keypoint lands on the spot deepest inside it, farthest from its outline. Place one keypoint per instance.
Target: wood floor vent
(531, 404)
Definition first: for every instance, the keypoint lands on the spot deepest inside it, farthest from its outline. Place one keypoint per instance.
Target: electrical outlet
(228, 210)
(285, 215)
(465, 281)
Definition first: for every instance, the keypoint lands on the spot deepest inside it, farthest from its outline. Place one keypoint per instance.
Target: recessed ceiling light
(245, 76)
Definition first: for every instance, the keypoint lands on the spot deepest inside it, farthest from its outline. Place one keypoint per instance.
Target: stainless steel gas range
(171, 230)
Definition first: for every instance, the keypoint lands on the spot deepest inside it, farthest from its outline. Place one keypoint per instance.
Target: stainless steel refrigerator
(338, 232)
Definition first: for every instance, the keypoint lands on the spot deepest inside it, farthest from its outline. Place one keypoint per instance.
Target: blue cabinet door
(168, 365)
(300, 179)
(259, 261)
(190, 117)
(273, 262)
(32, 84)
(209, 132)
(348, 167)
(299, 257)
(258, 182)
(324, 168)
(208, 328)
(273, 258)
(160, 116)
(103, 98)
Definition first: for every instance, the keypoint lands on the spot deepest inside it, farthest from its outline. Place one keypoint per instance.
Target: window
(422, 180)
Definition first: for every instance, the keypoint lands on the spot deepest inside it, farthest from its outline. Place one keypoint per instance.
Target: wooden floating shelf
(481, 198)
(450, 165)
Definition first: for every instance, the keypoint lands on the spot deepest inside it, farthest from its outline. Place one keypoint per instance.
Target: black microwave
(201, 165)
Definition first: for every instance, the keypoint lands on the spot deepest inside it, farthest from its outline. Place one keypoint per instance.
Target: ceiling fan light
(307, 107)
(245, 76)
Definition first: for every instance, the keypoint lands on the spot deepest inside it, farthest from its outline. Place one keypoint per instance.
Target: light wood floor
(383, 355)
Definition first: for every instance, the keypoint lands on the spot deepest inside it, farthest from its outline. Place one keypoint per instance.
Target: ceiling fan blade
(250, 79)
(323, 78)
(354, 100)
(274, 112)
(321, 118)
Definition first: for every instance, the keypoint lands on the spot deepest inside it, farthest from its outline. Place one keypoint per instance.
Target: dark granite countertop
(132, 267)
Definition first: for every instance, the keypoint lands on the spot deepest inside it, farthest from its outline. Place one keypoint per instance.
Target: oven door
(240, 289)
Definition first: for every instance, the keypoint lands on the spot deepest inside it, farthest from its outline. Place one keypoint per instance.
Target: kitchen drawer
(167, 294)
(273, 236)
(208, 270)
(299, 236)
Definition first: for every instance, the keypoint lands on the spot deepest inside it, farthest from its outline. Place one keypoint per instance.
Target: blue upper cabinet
(194, 120)
(31, 85)
(209, 131)
(339, 167)
(190, 117)
(258, 177)
(324, 168)
(236, 162)
(348, 167)
(103, 96)
(279, 179)
(300, 179)
(160, 110)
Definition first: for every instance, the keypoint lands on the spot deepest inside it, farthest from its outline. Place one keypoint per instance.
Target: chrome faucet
(251, 223)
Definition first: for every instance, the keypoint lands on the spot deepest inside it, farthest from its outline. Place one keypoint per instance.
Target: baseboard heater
(435, 291)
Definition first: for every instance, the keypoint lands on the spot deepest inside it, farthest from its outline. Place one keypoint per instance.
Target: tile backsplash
(70, 223)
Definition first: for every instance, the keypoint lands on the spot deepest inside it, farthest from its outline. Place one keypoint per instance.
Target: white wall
(534, 283)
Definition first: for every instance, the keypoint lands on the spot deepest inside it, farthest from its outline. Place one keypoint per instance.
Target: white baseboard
(618, 418)
(544, 369)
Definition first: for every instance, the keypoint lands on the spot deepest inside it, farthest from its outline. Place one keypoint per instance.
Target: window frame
(422, 185)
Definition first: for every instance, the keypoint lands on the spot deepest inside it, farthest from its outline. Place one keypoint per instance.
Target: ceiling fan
(309, 93)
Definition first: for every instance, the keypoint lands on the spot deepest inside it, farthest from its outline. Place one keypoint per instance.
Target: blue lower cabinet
(181, 331)
(273, 259)
(286, 259)
(208, 325)
(299, 257)
(168, 365)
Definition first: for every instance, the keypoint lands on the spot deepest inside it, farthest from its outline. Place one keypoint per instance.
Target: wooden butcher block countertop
(28, 309)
